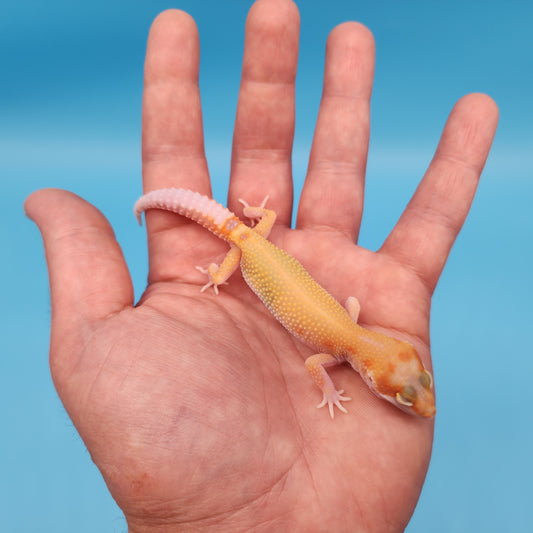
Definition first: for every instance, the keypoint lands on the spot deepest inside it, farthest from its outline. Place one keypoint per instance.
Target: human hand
(197, 408)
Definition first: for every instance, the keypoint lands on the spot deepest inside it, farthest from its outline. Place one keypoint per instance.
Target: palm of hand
(219, 381)
(197, 409)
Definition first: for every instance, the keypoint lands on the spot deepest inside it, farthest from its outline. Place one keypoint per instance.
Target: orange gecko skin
(390, 367)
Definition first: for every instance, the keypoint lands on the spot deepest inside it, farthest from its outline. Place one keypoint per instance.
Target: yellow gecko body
(391, 368)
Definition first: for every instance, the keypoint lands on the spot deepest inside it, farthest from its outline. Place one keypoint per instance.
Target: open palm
(197, 408)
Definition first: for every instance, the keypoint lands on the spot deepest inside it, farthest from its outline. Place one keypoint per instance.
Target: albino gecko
(390, 367)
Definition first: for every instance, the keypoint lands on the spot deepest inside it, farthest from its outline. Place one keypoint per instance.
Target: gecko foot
(252, 212)
(334, 397)
(210, 283)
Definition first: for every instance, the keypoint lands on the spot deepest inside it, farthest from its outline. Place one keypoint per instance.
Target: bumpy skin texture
(391, 368)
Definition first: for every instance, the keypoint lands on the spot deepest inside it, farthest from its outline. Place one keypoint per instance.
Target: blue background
(70, 101)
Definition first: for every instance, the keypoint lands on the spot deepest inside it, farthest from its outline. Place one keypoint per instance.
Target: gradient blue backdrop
(70, 101)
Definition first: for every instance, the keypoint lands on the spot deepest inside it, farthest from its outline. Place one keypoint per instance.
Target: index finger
(172, 138)
(172, 134)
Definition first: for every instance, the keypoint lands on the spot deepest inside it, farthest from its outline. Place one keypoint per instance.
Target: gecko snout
(416, 396)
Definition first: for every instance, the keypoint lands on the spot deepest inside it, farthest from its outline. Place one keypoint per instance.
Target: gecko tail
(195, 206)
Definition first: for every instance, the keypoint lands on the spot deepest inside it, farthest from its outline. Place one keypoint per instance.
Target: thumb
(89, 279)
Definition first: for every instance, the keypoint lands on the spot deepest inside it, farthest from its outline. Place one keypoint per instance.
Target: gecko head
(415, 396)
(406, 383)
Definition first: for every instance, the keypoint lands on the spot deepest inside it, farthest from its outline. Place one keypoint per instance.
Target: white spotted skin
(288, 291)
(312, 315)
(391, 368)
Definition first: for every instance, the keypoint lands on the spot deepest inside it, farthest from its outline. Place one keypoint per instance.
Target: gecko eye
(407, 396)
(425, 380)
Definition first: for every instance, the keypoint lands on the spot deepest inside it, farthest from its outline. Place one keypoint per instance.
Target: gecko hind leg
(219, 274)
(262, 219)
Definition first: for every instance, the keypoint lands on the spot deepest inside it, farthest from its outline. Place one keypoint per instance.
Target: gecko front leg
(316, 366)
